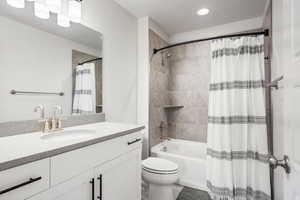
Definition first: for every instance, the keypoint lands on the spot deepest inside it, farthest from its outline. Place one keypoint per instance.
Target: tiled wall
(181, 79)
(188, 86)
(159, 81)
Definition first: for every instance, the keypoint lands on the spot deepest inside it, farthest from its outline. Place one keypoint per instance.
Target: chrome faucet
(46, 126)
(57, 121)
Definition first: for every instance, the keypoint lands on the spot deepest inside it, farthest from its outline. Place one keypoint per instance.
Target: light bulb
(203, 11)
(16, 3)
(75, 11)
(54, 5)
(63, 17)
(41, 10)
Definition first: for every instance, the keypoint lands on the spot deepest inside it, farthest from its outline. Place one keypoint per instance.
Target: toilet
(160, 174)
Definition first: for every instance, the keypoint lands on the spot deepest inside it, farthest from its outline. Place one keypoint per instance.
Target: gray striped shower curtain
(84, 101)
(237, 149)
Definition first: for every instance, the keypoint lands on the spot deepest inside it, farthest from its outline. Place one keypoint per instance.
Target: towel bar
(15, 92)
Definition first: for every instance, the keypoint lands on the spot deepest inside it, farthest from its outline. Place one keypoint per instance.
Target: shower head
(164, 55)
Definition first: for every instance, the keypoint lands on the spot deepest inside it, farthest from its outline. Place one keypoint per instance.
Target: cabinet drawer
(133, 141)
(24, 181)
(68, 165)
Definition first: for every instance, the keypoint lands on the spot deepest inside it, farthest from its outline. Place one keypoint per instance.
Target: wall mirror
(43, 63)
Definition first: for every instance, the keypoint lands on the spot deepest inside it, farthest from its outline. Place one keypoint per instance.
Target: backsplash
(28, 126)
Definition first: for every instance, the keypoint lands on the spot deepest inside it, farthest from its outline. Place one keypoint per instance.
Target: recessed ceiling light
(203, 11)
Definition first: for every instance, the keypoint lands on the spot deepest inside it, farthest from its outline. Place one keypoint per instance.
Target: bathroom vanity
(52, 79)
(89, 162)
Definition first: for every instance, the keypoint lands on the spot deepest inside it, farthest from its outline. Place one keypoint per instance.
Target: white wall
(286, 62)
(235, 27)
(143, 80)
(144, 55)
(34, 60)
(119, 29)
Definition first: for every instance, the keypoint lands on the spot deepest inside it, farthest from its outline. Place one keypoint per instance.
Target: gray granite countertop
(25, 148)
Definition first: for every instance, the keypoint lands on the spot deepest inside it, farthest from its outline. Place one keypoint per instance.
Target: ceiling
(76, 32)
(176, 16)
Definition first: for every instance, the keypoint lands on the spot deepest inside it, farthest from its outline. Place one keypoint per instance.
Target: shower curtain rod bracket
(155, 51)
(264, 32)
(267, 32)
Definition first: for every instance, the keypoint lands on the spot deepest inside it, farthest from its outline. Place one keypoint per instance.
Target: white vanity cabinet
(119, 179)
(77, 188)
(109, 170)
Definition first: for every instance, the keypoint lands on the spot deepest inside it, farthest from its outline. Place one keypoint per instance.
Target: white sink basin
(69, 135)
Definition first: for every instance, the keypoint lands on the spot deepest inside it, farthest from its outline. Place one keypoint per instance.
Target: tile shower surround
(159, 78)
(189, 86)
(182, 80)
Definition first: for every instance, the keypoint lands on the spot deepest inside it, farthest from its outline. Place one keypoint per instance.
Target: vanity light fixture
(63, 17)
(75, 11)
(66, 10)
(203, 11)
(16, 3)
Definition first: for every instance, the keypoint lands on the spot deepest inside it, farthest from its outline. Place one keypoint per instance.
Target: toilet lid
(159, 165)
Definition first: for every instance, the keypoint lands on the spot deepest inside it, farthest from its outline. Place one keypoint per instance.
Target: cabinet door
(120, 179)
(80, 187)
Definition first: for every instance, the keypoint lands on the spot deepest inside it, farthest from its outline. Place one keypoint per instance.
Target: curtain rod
(264, 32)
(88, 61)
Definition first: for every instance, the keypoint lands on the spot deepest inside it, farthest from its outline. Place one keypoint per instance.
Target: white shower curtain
(237, 151)
(85, 89)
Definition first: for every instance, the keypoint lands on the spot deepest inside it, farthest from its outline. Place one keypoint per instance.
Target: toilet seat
(161, 175)
(159, 166)
(160, 172)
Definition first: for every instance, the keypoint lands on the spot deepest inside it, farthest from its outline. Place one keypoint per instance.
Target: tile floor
(181, 193)
(193, 194)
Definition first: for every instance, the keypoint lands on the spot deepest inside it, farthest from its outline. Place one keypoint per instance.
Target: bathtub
(190, 157)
